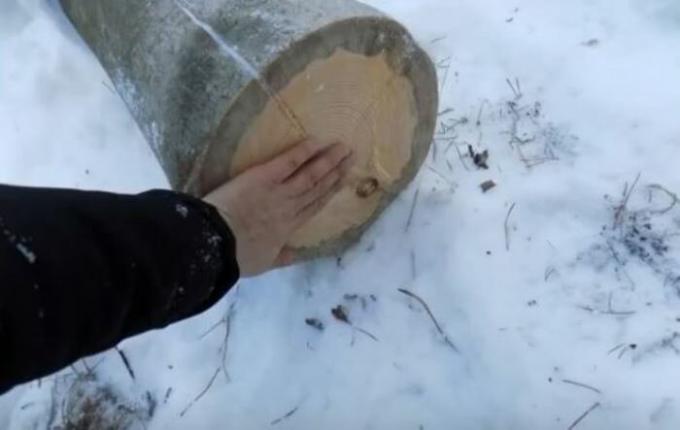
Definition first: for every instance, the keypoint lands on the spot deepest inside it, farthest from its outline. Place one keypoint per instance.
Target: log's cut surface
(217, 86)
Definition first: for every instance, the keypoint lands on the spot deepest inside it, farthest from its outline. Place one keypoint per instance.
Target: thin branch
(583, 415)
(413, 210)
(507, 227)
(549, 272)
(445, 111)
(479, 114)
(286, 416)
(460, 157)
(367, 333)
(126, 362)
(434, 320)
(108, 87)
(579, 384)
(205, 390)
(618, 214)
(516, 91)
(414, 271)
(211, 329)
(225, 345)
(616, 348)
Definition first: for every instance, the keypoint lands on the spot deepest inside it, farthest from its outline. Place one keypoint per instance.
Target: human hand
(265, 205)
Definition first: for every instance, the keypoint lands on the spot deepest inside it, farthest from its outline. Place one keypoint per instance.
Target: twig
(507, 227)
(108, 87)
(413, 210)
(446, 65)
(211, 329)
(617, 347)
(460, 157)
(340, 313)
(627, 192)
(516, 91)
(205, 390)
(414, 271)
(434, 320)
(225, 345)
(438, 39)
(445, 111)
(549, 272)
(583, 415)
(479, 114)
(126, 362)
(167, 395)
(579, 384)
(52, 416)
(623, 351)
(367, 333)
(285, 417)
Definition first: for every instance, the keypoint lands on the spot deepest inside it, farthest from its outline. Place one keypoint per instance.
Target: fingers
(288, 163)
(309, 211)
(318, 169)
(326, 184)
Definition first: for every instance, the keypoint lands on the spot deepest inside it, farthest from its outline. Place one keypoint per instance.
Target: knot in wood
(367, 187)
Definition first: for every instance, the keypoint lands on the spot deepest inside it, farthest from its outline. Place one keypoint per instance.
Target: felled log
(217, 86)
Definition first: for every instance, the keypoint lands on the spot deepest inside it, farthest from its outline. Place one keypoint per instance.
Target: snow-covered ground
(556, 293)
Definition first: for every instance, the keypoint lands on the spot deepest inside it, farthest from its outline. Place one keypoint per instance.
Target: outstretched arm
(81, 271)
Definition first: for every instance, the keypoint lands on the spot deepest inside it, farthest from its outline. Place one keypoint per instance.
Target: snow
(570, 304)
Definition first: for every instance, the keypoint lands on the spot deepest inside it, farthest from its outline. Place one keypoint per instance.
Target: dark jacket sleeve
(81, 271)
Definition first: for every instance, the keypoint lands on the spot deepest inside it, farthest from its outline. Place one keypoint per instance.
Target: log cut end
(362, 82)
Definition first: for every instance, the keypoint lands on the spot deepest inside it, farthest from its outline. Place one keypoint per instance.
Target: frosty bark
(217, 86)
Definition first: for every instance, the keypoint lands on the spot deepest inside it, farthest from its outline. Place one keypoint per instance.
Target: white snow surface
(568, 305)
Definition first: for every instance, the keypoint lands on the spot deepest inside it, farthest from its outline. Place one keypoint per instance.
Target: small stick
(623, 351)
(167, 395)
(579, 384)
(87, 367)
(413, 210)
(624, 204)
(205, 390)
(460, 157)
(583, 415)
(445, 111)
(445, 78)
(479, 114)
(285, 417)
(434, 320)
(414, 271)
(438, 39)
(516, 91)
(126, 362)
(225, 345)
(340, 313)
(507, 227)
(617, 347)
(549, 272)
(211, 329)
(367, 333)
(108, 87)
